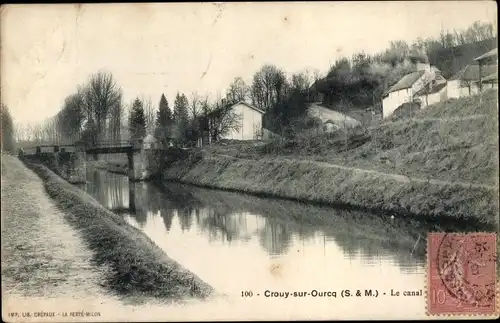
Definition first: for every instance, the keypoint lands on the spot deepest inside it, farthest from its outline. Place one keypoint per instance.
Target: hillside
(452, 60)
(442, 162)
(455, 140)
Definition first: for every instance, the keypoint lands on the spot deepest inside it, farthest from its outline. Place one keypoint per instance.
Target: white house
(250, 122)
(404, 90)
(466, 81)
(150, 142)
(332, 119)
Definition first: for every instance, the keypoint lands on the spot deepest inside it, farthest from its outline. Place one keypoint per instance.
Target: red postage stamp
(461, 274)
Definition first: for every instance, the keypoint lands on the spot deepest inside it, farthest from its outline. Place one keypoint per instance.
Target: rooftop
(491, 55)
(405, 82)
(434, 89)
(328, 115)
(231, 106)
(471, 72)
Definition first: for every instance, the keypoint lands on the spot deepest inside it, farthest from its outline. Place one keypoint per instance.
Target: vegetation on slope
(454, 140)
(441, 162)
(338, 186)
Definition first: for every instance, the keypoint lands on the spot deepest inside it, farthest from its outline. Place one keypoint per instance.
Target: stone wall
(69, 165)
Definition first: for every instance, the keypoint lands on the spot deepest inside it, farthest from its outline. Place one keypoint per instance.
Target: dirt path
(397, 177)
(422, 120)
(42, 256)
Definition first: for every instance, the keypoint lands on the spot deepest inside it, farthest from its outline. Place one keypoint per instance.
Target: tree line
(360, 81)
(96, 111)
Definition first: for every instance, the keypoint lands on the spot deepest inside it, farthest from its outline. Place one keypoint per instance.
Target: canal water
(249, 248)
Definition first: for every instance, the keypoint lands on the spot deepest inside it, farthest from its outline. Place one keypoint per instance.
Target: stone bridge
(70, 161)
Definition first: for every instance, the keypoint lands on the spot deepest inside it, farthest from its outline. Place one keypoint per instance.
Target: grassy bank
(357, 229)
(138, 267)
(325, 184)
(441, 162)
(455, 140)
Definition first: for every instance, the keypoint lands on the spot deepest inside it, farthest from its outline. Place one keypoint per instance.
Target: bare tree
(221, 119)
(238, 91)
(195, 106)
(101, 95)
(269, 87)
(149, 114)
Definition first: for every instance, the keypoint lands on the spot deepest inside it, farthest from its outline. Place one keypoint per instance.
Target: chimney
(424, 67)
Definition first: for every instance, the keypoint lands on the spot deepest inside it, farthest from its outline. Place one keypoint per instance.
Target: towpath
(397, 177)
(42, 255)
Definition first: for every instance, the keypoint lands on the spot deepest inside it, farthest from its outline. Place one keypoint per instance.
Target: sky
(49, 49)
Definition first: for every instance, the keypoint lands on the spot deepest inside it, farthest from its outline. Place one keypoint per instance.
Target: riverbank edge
(315, 183)
(139, 267)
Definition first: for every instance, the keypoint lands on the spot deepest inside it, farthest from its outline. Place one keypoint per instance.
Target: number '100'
(246, 294)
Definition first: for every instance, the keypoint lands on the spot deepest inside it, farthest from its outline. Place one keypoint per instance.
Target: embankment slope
(442, 162)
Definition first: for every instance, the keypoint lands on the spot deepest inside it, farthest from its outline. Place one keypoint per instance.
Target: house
(489, 58)
(247, 118)
(487, 80)
(331, 119)
(405, 89)
(491, 81)
(431, 94)
(150, 142)
(268, 134)
(466, 81)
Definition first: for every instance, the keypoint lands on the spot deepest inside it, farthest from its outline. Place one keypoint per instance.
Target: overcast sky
(47, 50)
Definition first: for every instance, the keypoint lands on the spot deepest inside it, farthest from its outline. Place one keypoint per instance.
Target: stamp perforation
(429, 269)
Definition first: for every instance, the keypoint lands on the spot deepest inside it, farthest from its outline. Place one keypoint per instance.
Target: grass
(325, 184)
(456, 140)
(139, 268)
(441, 162)
(42, 256)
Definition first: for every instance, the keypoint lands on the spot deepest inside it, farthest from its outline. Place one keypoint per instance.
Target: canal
(244, 245)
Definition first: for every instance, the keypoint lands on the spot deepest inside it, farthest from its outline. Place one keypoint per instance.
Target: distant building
(431, 94)
(466, 81)
(150, 142)
(331, 119)
(485, 78)
(491, 81)
(406, 88)
(249, 120)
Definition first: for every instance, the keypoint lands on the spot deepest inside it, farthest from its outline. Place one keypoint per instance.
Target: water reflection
(237, 230)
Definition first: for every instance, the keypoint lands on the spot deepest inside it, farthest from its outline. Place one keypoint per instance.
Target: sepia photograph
(249, 161)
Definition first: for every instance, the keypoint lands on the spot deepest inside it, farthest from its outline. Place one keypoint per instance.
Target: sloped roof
(248, 105)
(328, 115)
(471, 72)
(150, 139)
(489, 55)
(216, 111)
(434, 89)
(405, 82)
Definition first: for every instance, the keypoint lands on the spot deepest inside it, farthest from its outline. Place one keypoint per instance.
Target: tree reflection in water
(225, 217)
(167, 215)
(275, 238)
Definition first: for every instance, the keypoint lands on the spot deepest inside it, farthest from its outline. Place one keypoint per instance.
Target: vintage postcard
(249, 161)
